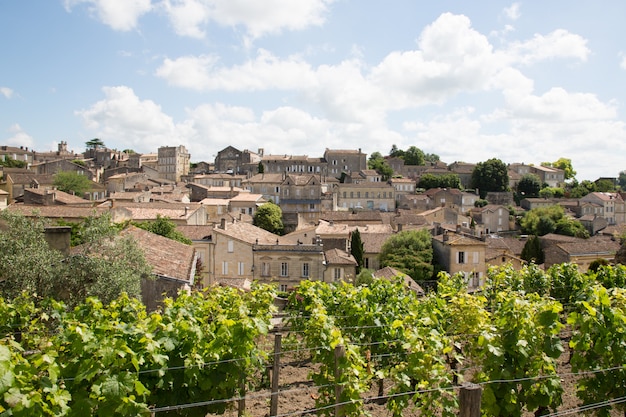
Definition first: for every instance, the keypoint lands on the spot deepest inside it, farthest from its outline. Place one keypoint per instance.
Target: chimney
(445, 236)
(58, 238)
(223, 223)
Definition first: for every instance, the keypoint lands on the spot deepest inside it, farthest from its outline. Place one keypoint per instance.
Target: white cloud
(18, 137)
(513, 12)
(122, 118)
(622, 63)
(6, 92)
(264, 72)
(118, 14)
(187, 16)
(192, 72)
(557, 44)
(269, 16)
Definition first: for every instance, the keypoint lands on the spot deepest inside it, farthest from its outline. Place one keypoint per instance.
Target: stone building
(173, 162)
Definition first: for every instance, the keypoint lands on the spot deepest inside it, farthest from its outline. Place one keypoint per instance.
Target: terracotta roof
(167, 257)
(247, 232)
(590, 246)
(339, 257)
(303, 179)
(265, 178)
(372, 242)
(214, 202)
(28, 177)
(390, 273)
(57, 212)
(457, 239)
(511, 244)
(195, 232)
(246, 196)
(345, 216)
(59, 196)
(152, 213)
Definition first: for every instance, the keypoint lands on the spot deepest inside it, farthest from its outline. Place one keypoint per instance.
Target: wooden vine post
(340, 353)
(469, 400)
(275, 375)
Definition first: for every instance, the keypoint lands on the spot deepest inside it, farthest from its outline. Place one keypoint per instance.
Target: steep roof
(247, 232)
(167, 257)
(390, 273)
(339, 257)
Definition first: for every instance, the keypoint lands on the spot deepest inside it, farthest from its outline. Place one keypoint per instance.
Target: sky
(524, 82)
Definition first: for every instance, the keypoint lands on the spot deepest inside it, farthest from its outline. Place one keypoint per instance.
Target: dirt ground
(298, 392)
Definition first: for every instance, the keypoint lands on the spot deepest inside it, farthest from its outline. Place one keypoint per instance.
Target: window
(460, 257)
(265, 269)
(337, 273)
(475, 257)
(305, 269)
(367, 262)
(231, 246)
(284, 269)
(283, 287)
(240, 268)
(224, 268)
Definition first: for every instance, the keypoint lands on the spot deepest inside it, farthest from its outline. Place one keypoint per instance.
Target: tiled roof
(214, 202)
(349, 216)
(59, 196)
(28, 177)
(339, 257)
(372, 242)
(152, 213)
(389, 273)
(590, 246)
(247, 197)
(167, 257)
(248, 233)
(57, 212)
(303, 179)
(195, 232)
(265, 178)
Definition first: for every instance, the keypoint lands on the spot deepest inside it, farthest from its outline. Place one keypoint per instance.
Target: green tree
(164, 226)
(571, 227)
(261, 168)
(9, 162)
(269, 217)
(356, 249)
(104, 266)
(577, 190)
(529, 186)
(428, 181)
(564, 164)
(94, 143)
(410, 252)
(532, 251)
(414, 156)
(72, 182)
(621, 180)
(490, 176)
(605, 185)
(395, 152)
(431, 157)
(380, 165)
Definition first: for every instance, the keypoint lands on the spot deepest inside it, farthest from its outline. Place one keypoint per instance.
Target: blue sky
(519, 81)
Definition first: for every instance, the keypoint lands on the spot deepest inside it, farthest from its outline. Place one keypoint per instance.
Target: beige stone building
(173, 162)
(458, 253)
(240, 251)
(612, 204)
(367, 195)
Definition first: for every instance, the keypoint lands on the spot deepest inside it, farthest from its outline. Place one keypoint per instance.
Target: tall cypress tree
(532, 251)
(356, 249)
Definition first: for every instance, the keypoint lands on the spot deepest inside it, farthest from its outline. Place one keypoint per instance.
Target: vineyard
(376, 349)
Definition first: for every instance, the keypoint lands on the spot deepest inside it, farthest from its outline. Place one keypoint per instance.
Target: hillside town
(323, 199)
